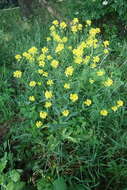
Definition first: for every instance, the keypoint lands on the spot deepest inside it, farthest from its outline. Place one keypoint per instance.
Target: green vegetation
(63, 99)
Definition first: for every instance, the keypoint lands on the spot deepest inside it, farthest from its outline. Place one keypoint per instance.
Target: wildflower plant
(70, 77)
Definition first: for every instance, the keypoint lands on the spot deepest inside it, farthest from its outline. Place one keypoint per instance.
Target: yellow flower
(54, 63)
(32, 83)
(65, 113)
(106, 51)
(39, 124)
(50, 82)
(59, 48)
(106, 43)
(119, 103)
(55, 22)
(17, 74)
(18, 57)
(104, 112)
(48, 94)
(49, 57)
(31, 98)
(39, 83)
(52, 28)
(43, 114)
(32, 50)
(96, 59)
(48, 39)
(100, 73)
(70, 47)
(63, 25)
(64, 39)
(108, 82)
(69, 71)
(48, 104)
(91, 81)
(86, 59)
(78, 60)
(73, 97)
(74, 29)
(79, 26)
(114, 108)
(93, 65)
(67, 86)
(44, 50)
(45, 74)
(40, 71)
(41, 63)
(88, 22)
(75, 21)
(88, 102)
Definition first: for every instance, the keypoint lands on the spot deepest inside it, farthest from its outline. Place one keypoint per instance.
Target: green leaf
(15, 176)
(59, 184)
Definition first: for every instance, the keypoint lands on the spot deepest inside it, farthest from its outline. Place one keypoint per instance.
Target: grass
(88, 157)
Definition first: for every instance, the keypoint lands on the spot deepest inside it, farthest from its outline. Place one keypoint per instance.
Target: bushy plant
(70, 96)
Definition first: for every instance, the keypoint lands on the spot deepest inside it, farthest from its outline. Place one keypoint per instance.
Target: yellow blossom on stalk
(59, 48)
(91, 81)
(69, 71)
(114, 108)
(88, 102)
(31, 98)
(52, 28)
(44, 50)
(78, 52)
(42, 57)
(67, 86)
(43, 114)
(32, 50)
(28, 56)
(93, 65)
(100, 73)
(48, 39)
(78, 60)
(88, 22)
(119, 103)
(73, 97)
(48, 94)
(96, 59)
(17, 74)
(40, 71)
(50, 82)
(94, 31)
(79, 26)
(18, 57)
(104, 112)
(56, 37)
(54, 63)
(55, 22)
(86, 60)
(108, 82)
(74, 29)
(64, 39)
(41, 63)
(65, 113)
(63, 25)
(106, 51)
(70, 47)
(32, 83)
(39, 124)
(106, 43)
(39, 83)
(45, 74)
(49, 57)
(75, 21)
(48, 104)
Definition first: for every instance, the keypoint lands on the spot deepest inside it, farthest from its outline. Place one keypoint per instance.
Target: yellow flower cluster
(69, 68)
